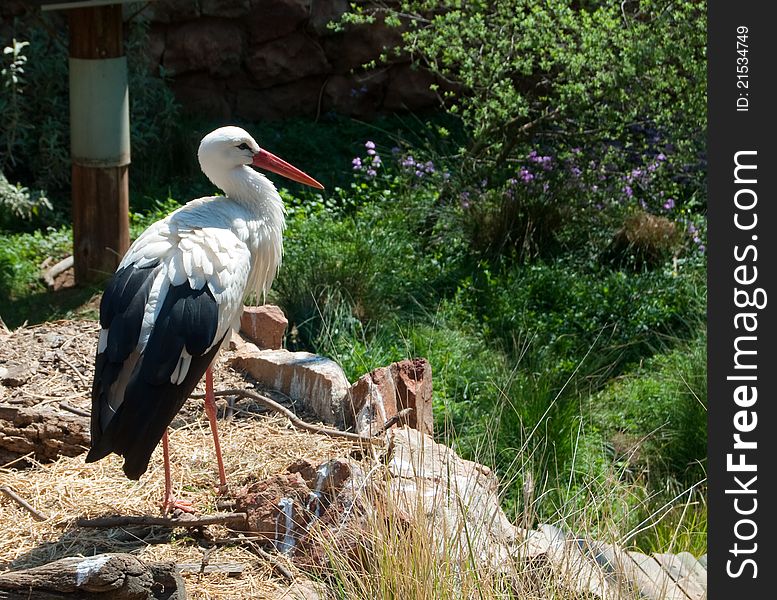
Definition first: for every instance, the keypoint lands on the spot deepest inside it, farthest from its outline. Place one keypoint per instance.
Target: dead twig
(276, 564)
(61, 356)
(37, 515)
(74, 410)
(295, 420)
(236, 518)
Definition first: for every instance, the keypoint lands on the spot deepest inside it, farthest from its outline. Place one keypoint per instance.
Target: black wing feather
(187, 319)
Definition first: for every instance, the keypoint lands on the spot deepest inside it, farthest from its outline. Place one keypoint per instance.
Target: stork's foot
(171, 505)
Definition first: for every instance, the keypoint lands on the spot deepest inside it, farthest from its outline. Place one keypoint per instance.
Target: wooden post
(100, 190)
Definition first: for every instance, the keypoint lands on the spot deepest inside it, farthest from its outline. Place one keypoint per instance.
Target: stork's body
(176, 296)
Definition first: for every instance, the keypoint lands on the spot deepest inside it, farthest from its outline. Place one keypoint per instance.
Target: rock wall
(271, 59)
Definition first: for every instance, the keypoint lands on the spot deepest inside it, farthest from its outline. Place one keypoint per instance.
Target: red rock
(264, 503)
(225, 8)
(408, 89)
(323, 12)
(264, 325)
(168, 11)
(213, 45)
(299, 98)
(359, 45)
(381, 394)
(357, 95)
(288, 59)
(201, 94)
(272, 19)
(414, 390)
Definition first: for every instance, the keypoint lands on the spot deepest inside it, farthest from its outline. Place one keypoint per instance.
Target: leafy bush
(569, 67)
(18, 202)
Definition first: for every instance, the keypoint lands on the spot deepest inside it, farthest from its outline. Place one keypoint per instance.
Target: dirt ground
(52, 363)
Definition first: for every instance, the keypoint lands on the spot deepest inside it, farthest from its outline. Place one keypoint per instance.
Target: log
(45, 431)
(104, 576)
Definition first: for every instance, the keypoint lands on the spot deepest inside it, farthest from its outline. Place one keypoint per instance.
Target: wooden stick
(75, 410)
(295, 420)
(237, 518)
(37, 515)
(391, 421)
(61, 356)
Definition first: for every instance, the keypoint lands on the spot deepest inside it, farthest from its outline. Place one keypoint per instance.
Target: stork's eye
(243, 146)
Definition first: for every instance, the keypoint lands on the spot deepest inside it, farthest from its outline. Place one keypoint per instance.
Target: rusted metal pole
(99, 141)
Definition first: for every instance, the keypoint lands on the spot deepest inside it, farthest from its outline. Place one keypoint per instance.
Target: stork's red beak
(270, 162)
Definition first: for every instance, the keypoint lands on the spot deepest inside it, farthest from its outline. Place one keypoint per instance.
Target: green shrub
(566, 67)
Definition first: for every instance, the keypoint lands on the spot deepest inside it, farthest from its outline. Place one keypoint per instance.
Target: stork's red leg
(210, 410)
(170, 502)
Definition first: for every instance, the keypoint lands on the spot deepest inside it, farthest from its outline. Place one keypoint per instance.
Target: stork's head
(229, 148)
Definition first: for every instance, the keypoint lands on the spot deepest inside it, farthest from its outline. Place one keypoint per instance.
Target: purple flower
(545, 186)
(652, 167)
(512, 182)
(526, 175)
(419, 173)
(594, 188)
(576, 172)
(369, 145)
(464, 200)
(376, 162)
(371, 172)
(446, 175)
(702, 248)
(408, 161)
(357, 163)
(669, 204)
(429, 166)
(643, 204)
(692, 228)
(576, 150)
(661, 157)
(628, 191)
(532, 155)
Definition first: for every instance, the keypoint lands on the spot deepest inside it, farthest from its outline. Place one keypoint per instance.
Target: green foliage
(656, 417)
(18, 202)
(595, 67)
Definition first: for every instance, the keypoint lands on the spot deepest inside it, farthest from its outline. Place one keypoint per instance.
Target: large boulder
(288, 59)
(212, 45)
(273, 19)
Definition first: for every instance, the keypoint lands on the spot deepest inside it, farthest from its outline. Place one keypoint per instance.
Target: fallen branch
(37, 515)
(51, 274)
(295, 420)
(75, 410)
(237, 518)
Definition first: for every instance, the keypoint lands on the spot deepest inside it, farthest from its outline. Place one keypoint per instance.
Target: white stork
(177, 295)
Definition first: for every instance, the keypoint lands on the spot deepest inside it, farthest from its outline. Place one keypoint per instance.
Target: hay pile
(254, 446)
